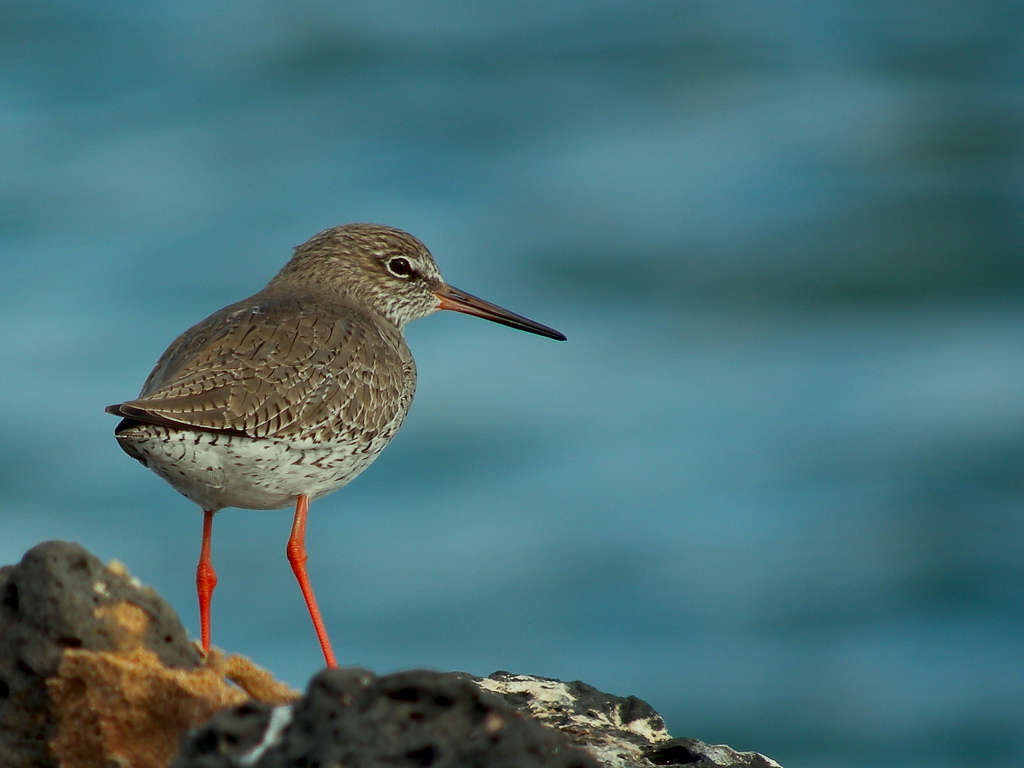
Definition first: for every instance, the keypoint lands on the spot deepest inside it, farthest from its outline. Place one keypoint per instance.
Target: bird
(286, 396)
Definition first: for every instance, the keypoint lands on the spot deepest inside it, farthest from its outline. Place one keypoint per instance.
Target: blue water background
(773, 483)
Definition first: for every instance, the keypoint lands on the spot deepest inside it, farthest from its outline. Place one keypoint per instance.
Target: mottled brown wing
(278, 368)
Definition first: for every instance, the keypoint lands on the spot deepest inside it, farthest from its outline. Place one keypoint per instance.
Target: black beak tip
(541, 330)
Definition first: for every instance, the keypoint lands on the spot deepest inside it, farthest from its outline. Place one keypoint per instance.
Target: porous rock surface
(96, 670)
(351, 718)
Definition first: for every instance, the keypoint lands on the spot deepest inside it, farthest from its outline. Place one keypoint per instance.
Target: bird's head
(390, 272)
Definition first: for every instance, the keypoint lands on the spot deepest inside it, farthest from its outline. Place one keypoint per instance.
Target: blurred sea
(773, 483)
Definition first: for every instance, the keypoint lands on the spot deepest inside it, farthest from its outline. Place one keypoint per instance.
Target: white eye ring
(400, 267)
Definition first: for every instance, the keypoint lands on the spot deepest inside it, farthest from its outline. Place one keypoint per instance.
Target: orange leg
(206, 580)
(297, 557)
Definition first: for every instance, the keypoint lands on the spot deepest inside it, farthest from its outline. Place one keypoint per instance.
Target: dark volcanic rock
(50, 600)
(697, 754)
(49, 603)
(350, 717)
(96, 669)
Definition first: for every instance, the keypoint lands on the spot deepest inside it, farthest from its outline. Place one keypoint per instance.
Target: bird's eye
(399, 267)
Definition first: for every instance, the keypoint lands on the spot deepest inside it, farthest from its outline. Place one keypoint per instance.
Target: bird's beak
(460, 301)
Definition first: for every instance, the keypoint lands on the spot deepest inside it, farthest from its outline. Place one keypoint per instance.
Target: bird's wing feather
(276, 369)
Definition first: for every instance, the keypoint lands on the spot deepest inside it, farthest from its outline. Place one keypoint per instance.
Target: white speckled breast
(217, 470)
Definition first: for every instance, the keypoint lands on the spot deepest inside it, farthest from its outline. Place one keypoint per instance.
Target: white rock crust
(280, 718)
(601, 729)
(552, 702)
